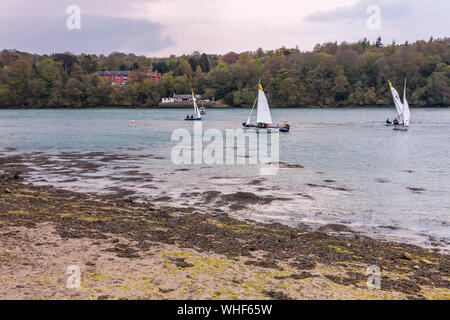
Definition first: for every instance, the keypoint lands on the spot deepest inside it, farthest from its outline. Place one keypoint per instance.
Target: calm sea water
(391, 178)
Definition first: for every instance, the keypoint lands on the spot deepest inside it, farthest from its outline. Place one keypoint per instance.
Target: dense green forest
(346, 74)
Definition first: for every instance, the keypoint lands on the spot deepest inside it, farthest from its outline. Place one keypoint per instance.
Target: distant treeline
(346, 74)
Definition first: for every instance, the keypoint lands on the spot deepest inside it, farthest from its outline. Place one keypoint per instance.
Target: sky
(159, 28)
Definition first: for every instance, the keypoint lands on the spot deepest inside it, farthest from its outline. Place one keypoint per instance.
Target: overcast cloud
(163, 27)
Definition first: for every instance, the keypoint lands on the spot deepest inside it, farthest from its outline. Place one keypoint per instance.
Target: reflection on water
(352, 169)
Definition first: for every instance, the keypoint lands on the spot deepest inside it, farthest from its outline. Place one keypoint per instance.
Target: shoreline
(130, 250)
(220, 106)
(77, 171)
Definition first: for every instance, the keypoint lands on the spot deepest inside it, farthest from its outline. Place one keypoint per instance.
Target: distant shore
(131, 250)
(218, 106)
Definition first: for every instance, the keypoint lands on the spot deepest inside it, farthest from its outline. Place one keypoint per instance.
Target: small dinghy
(263, 117)
(196, 116)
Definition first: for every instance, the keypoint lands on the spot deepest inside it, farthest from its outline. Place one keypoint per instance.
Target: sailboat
(398, 106)
(196, 116)
(263, 117)
(406, 113)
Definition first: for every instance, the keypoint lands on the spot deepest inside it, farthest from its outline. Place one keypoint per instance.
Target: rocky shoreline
(129, 250)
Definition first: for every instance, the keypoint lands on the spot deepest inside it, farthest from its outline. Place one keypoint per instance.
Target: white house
(181, 98)
(168, 100)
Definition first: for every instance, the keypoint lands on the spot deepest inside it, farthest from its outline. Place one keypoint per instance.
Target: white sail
(406, 112)
(397, 101)
(196, 110)
(263, 111)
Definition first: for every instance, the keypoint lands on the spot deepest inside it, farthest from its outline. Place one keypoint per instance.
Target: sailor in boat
(388, 121)
(396, 123)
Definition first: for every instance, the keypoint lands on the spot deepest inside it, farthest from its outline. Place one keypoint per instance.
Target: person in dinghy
(263, 117)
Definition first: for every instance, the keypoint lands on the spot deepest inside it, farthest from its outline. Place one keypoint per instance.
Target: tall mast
(254, 103)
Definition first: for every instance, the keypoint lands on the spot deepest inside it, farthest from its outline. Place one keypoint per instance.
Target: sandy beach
(130, 250)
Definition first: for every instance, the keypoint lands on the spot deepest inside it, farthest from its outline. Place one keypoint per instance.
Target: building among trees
(181, 98)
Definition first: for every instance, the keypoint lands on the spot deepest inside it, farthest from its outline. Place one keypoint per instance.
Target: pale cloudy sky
(164, 27)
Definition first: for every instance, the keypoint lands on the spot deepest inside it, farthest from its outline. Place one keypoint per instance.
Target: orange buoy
(132, 121)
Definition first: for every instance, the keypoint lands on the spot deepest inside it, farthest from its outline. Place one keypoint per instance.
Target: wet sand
(152, 250)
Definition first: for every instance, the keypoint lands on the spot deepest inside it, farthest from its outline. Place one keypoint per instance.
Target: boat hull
(270, 128)
(400, 128)
(393, 125)
(194, 119)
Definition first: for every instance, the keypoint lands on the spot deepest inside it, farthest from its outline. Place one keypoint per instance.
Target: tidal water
(352, 169)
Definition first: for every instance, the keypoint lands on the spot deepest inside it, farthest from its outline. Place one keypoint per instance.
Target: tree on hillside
(378, 43)
(67, 61)
(204, 63)
(230, 58)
